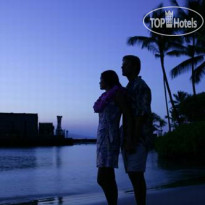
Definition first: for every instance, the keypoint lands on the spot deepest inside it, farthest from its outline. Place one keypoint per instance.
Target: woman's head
(109, 79)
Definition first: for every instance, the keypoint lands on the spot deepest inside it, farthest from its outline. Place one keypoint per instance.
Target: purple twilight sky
(52, 53)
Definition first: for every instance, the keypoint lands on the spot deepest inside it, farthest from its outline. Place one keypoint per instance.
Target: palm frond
(152, 48)
(175, 44)
(199, 72)
(155, 117)
(162, 123)
(177, 53)
(185, 66)
(139, 40)
(180, 97)
(174, 2)
(199, 49)
(181, 11)
(144, 42)
(157, 55)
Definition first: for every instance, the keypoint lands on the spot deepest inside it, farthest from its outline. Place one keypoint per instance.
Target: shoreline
(45, 142)
(190, 194)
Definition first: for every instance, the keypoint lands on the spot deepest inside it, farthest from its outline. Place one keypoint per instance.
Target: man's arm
(142, 109)
(138, 124)
(122, 101)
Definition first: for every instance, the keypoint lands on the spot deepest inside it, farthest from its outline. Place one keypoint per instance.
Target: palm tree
(179, 98)
(162, 123)
(159, 45)
(194, 47)
(167, 107)
(190, 63)
(158, 123)
(200, 70)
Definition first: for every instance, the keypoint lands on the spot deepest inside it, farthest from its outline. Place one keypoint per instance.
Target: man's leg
(106, 179)
(139, 185)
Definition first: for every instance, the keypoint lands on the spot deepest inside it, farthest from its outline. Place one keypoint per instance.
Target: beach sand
(189, 195)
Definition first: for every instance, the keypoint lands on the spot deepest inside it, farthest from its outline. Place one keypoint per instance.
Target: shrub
(186, 141)
(193, 107)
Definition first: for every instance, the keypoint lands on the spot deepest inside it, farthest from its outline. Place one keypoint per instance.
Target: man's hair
(135, 62)
(111, 78)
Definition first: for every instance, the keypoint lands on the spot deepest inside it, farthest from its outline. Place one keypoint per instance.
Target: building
(21, 129)
(59, 130)
(18, 126)
(46, 130)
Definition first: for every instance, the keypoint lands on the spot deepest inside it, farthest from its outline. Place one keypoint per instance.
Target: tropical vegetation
(186, 141)
(186, 117)
(193, 47)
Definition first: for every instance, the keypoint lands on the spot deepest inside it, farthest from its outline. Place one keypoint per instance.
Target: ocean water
(40, 172)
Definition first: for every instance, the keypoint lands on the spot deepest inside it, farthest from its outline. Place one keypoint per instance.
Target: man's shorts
(135, 162)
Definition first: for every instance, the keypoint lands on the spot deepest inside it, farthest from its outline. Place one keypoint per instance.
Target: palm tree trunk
(168, 116)
(168, 89)
(192, 68)
(193, 79)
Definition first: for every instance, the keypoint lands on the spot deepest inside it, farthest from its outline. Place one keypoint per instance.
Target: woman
(110, 105)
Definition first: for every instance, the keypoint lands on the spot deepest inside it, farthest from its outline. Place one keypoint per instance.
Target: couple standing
(134, 103)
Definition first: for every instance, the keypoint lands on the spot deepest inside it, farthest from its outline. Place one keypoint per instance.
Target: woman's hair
(111, 78)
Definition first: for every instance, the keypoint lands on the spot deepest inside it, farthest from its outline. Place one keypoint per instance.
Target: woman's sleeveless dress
(108, 136)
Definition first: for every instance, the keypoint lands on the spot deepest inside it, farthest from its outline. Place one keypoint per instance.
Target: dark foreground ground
(189, 195)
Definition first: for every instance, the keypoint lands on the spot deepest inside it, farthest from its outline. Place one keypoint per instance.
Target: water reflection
(58, 157)
(43, 172)
(17, 159)
(29, 203)
(52, 200)
(192, 170)
(165, 172)
(71, 200)
(27, 158)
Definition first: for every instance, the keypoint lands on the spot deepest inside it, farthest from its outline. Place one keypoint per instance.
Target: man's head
(131, 65)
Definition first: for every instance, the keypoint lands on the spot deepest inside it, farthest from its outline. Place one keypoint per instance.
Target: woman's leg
(106, 179)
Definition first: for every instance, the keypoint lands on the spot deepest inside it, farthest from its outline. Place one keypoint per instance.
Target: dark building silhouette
(21, 129)
(59, 131)
(46, 130)
(18, 126)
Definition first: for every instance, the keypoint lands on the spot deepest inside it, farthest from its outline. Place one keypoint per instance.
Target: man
(134, 149)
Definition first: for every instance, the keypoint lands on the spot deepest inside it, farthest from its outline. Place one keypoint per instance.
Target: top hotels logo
(169, 21)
